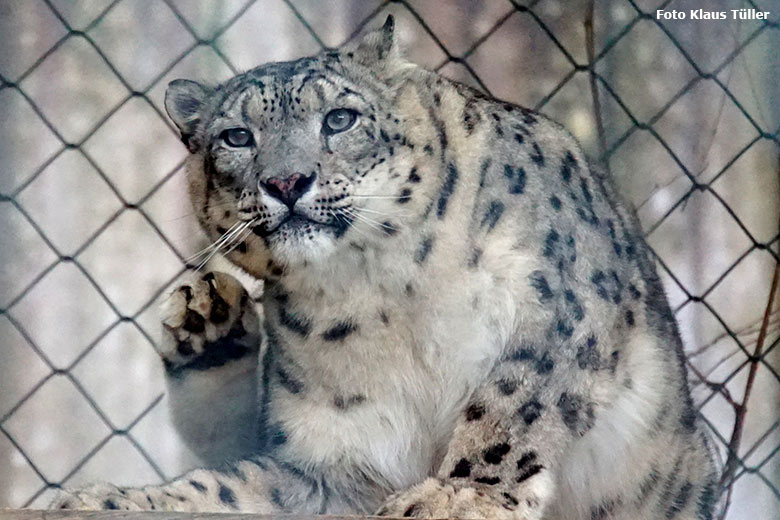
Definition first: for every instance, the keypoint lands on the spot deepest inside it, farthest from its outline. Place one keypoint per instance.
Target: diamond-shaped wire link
(92, 176)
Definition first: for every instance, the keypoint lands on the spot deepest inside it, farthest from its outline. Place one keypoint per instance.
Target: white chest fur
(415, 359)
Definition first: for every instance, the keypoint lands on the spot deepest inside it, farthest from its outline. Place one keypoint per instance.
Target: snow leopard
(460, 318)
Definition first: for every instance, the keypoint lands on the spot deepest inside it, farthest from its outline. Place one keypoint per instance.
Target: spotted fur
(461, 318)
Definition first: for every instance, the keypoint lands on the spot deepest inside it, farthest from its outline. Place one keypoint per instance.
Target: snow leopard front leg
(210, 348)
(258, 485)
(506, 444)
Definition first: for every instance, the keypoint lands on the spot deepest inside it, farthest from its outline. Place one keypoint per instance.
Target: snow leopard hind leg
(587, 413)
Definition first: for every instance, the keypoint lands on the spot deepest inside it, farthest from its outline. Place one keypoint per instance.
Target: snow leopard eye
(339, 120)
(237, 137)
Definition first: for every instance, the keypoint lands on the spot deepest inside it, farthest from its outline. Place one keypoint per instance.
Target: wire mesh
(751, 348)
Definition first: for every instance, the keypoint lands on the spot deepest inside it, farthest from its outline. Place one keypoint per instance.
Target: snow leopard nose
(288, 189)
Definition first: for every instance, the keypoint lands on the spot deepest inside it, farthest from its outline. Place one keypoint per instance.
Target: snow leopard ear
(184, 100)
(377, 48)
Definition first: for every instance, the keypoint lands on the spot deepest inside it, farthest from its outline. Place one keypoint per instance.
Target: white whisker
(379, 226)
(355, 216)
(226, 242)
(384, 225)
(240, 240)
(340, 213)
(382, 213)
(216, 243)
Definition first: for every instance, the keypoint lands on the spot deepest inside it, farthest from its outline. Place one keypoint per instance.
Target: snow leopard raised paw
(206, 323)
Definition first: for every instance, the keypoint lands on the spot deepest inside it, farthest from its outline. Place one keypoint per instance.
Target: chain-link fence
(97, 225)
